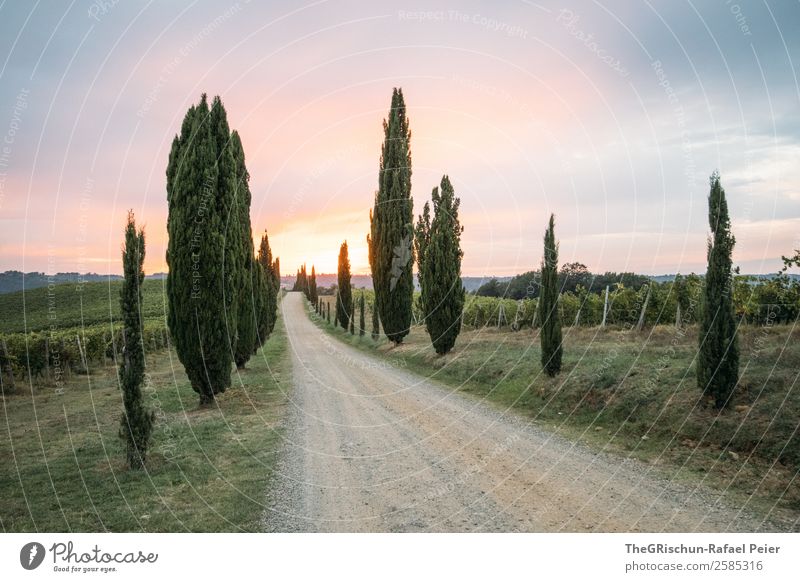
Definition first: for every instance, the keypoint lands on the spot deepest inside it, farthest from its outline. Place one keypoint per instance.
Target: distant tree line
(571, 276)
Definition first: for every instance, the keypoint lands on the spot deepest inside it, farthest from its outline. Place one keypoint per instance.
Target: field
(68, 305)
(634, 393)
(63, 462)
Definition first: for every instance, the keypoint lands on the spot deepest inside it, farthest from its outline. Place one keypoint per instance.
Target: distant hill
(11, 281)
(365, 281)
(764, 277)
(328, 279)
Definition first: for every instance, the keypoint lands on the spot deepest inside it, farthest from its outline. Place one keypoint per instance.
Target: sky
(610, 115)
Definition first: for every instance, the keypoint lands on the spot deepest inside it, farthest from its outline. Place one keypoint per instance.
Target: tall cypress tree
(203, 249)
(136, 425)
(276, 273)
(376, 324)
(312, 286)
(550, 331)
(247, 338)
(227, 184)
(718, 357)
(362, 326)
(392, 225)
(439, 254)
(269, 293)
(261, 291)
(344, 298)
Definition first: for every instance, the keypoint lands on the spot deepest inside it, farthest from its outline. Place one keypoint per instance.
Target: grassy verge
(635, 394)
(63, 463)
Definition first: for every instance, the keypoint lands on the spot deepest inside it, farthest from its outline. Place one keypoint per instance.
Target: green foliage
(54, 356)
(270, 288)
(376, 322)
(247, 336)
(344, 296)
(261, 290)
(485, 312)
(75, 437)
(718, 357)
(570, 277)
(756, 301)
(204, 249)
(768, 302)
(391, 226)
(301, 281)
(276, 273)
(362, 326)
(136, 424)
(438, 247)
(74, 305)
(312, 286)
(550, 334)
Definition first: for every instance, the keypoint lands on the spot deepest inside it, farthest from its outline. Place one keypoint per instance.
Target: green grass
(208, 470)
(635, 394)
(73, 305)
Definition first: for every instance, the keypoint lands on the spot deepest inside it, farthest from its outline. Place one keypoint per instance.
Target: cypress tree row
(439, 254)
(718, 357)
(203, 253)
(269, 292)
(550, 332)
(247, 341)
(136, 424)
(344, 297)
(361, 324)
(392, 225)
(301, 281)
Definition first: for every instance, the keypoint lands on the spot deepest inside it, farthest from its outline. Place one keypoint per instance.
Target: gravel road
(374, 448)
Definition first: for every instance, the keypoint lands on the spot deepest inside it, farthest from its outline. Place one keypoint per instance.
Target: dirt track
(374, 448)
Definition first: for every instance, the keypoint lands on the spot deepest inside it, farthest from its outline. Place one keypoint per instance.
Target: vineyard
(70, 330)
(756, 302)
(764, 302)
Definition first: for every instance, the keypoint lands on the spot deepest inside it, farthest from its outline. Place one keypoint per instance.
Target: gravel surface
(373, 448)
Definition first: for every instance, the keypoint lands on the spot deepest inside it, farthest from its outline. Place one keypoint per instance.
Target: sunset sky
(610, 115)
